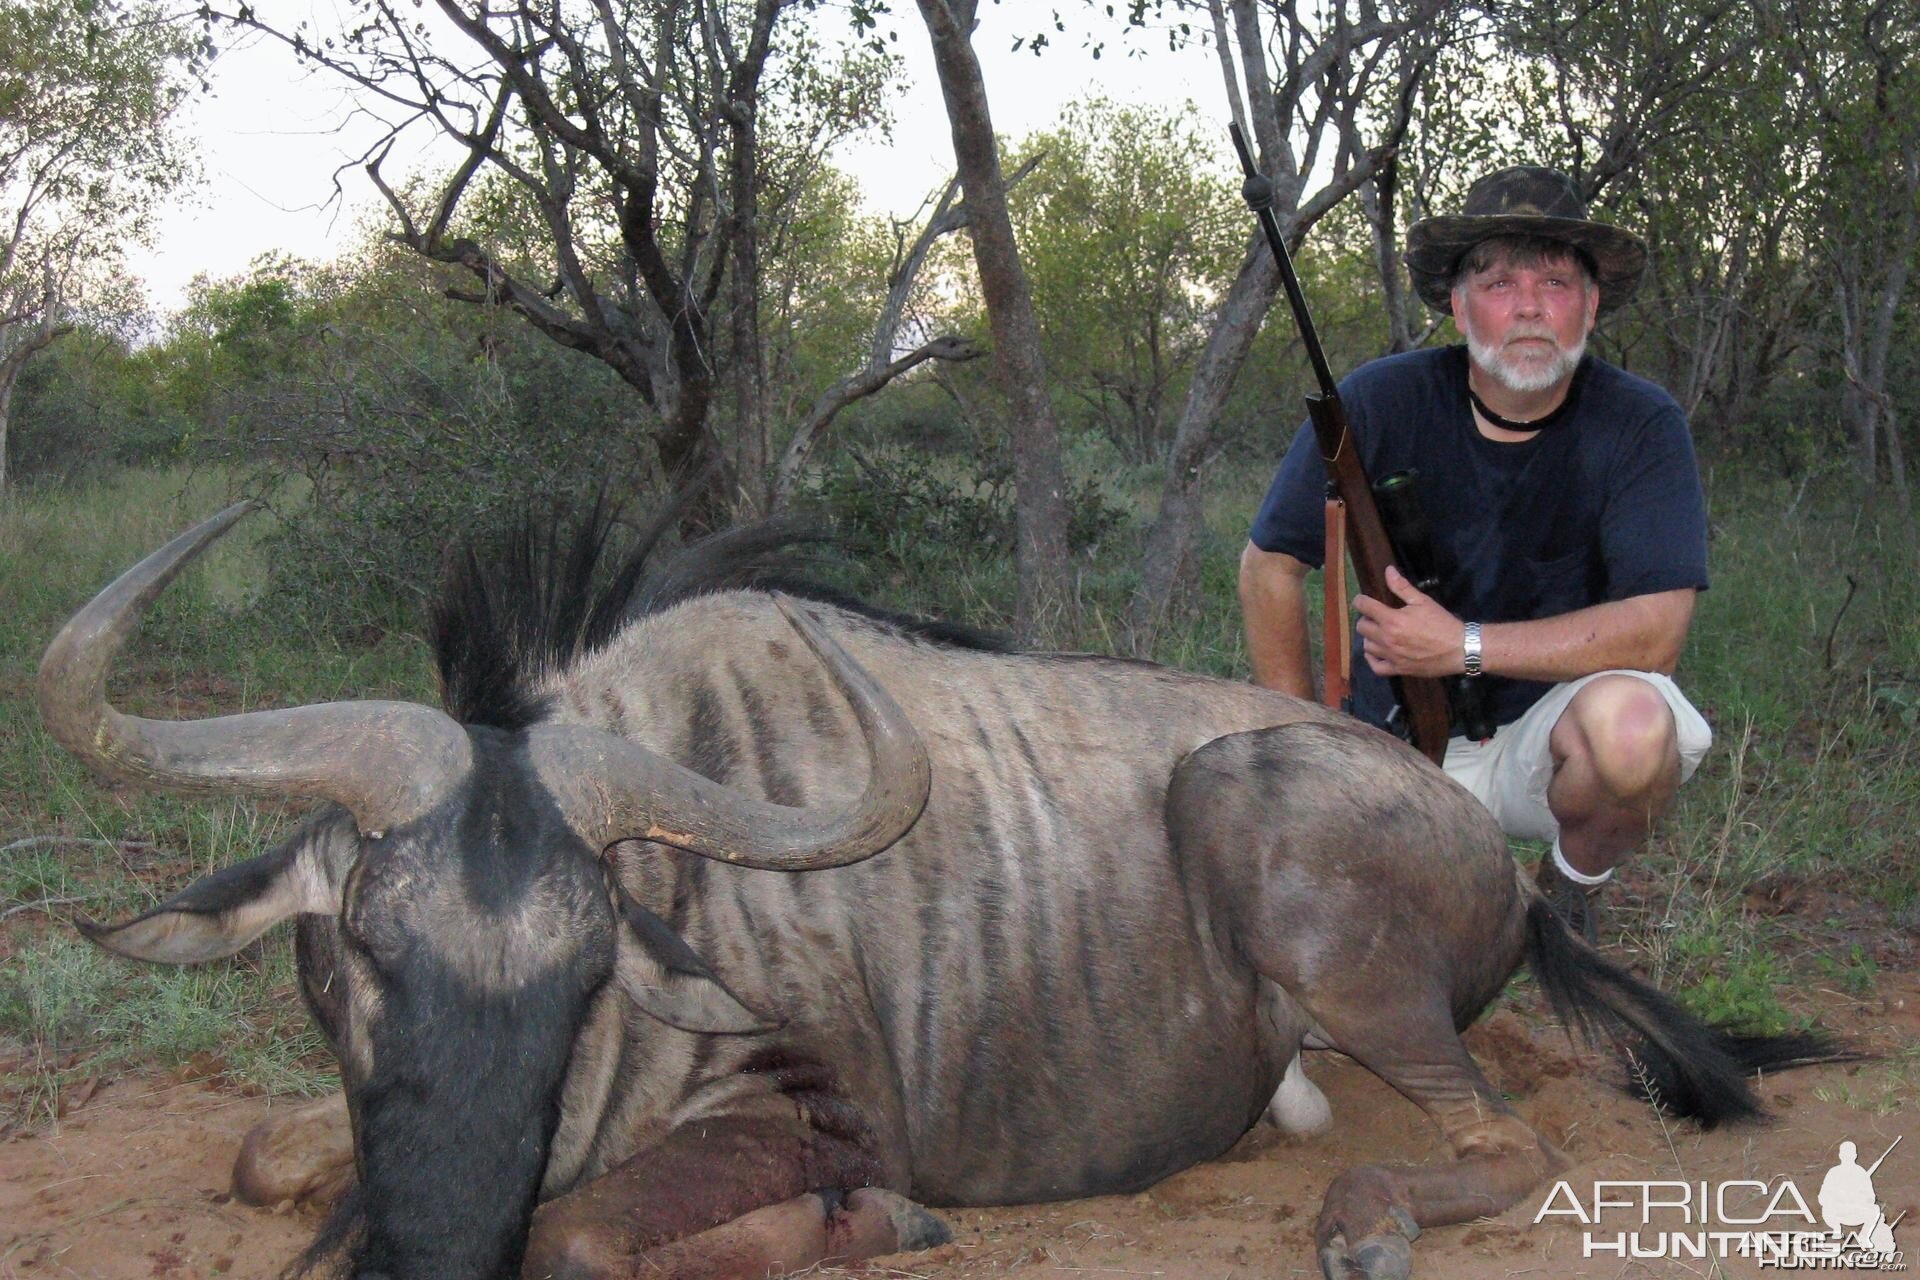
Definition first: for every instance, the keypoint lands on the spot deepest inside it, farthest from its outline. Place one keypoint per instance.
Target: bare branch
(857, 386)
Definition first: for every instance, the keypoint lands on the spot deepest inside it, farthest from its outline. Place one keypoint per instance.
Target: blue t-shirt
(1602, 505)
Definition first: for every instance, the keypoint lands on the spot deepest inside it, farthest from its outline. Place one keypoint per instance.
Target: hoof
(914, 1228)
(1387, 1255)
(303, 1152)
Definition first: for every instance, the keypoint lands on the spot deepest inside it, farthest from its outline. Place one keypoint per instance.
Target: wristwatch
(1473, 648)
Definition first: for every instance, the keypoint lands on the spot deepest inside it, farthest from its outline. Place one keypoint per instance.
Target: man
(1569, 528)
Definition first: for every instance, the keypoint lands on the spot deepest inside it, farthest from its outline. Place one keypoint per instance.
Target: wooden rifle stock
(1422, 699)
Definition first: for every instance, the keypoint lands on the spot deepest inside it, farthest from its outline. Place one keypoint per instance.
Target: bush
(85, 405)
(384, 444)
(886, 505)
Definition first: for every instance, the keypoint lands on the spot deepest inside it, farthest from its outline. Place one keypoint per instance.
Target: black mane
(553, 591)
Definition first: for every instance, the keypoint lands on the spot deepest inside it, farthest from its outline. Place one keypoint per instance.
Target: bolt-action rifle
(1422, 699)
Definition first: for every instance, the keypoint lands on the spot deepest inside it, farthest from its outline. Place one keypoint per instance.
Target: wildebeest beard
(451, 1132)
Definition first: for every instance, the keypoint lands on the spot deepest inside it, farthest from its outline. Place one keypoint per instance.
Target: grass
(71, 847)
(1881, 1088)
(1810, 789)
(1814, 779)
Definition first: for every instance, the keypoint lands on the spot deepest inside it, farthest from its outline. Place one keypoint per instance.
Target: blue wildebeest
(706, 932)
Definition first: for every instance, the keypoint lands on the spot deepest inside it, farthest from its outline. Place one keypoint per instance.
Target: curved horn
(618, 790)
(386, 762)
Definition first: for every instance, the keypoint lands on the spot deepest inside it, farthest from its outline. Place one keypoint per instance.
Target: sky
(271, 135)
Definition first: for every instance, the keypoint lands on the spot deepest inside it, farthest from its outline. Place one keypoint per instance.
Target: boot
(1577, 905)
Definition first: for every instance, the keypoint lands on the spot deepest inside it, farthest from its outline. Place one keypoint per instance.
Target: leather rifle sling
(1336, 652)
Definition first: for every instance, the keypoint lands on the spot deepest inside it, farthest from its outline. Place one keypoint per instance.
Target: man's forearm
(1273, 608)
(1422, 638)
(1642, 633)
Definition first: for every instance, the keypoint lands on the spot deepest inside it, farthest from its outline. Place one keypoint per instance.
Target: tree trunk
(1170, 561)
(1885, 320)
(1377, 203)
(1897, 467)
(752, 468)
(6, 414)
(1040, 508)
(45, 334)
(1859, 405)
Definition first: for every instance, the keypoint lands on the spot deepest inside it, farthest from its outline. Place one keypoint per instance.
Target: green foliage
(1744, 993)
(1852, 971)
(1130, 233)
(88, 93)
(824, 279)
(889, 505)
(911, 512)
(88, 403)
(386, 423)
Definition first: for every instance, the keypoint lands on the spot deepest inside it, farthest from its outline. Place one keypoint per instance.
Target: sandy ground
(134, 1182)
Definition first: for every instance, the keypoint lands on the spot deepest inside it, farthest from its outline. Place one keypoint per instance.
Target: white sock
(1578, 877)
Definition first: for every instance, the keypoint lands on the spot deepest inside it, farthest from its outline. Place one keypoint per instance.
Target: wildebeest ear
(217, 915)
(686, 994)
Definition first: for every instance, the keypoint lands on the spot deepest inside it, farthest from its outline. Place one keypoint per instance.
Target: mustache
(1540, 334)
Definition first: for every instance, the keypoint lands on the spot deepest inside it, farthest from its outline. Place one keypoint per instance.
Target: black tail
(1678, 1062)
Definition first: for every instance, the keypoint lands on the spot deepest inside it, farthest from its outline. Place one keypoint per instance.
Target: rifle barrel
(1257, 191)
(1423, 698)
(1884, 1154)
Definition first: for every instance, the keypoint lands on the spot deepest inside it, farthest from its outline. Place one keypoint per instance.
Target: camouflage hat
(1524, 201)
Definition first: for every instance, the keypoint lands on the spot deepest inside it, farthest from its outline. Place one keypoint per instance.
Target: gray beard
(1525, 378)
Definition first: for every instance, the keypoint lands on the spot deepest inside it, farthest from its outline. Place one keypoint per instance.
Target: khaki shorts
(1509, 772)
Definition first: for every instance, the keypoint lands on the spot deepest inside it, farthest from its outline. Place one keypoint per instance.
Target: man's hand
(1420, 638)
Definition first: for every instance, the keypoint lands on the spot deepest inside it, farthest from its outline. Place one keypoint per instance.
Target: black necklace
(1514, 424)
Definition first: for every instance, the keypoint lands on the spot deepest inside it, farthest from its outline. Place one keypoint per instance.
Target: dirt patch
(134, 1182)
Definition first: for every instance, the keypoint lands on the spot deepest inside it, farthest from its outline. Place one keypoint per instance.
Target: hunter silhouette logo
(1847, 1201)
(1770, 1223)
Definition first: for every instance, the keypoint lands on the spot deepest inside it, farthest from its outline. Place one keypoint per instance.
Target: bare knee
(1620, 728)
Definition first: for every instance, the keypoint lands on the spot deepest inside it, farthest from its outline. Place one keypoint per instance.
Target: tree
(642, 152)
(87, 145)
(1858, 61)
(1771, 154)
(898, 266)
(1632, 96)
(414, 422)
(1335, 60)
(1728, 302)
(1040, 507)
(1131, 234)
